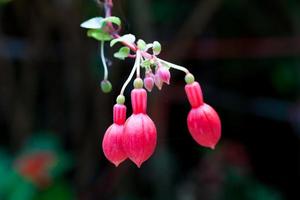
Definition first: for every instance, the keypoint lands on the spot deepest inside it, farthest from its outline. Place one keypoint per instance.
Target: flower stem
(103, 61)
(180, 68)
(138, 63)
(108, 6)
(134, 68)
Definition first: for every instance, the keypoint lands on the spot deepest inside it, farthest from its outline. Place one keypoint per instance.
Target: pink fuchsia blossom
(140, 136)
(112, 143)
(203, 121)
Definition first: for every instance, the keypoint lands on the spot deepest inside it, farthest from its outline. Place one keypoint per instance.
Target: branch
(108, 7)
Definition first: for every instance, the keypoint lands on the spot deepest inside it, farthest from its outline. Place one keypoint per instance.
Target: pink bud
(164, 74)
(140, 136)
(158, 82)
(149, 81)
(204, 125)
(112, 143)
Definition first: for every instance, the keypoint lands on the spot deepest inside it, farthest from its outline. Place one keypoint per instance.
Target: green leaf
(156, 48)
(128, 38)
(113, 19)
(99, 34)
(122, 53)
(99, 22)
(141, 45)
(94, 23)
(146, 63)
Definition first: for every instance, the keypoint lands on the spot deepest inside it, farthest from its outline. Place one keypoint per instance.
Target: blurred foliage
(285, 77)
(4, 1)
(34, 173)
(237, 187)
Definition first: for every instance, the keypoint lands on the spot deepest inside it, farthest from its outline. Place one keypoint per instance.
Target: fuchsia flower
(149, 81)
(139, 139)
(203, 122)
(113, 138)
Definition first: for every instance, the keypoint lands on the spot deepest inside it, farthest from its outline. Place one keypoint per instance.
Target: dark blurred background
(245, 54)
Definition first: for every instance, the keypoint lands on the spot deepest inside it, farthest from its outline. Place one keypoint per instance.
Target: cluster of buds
(135, 138)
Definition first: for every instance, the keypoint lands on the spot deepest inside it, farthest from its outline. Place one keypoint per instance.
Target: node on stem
(189, 78)
(120, 99)
(138, 83)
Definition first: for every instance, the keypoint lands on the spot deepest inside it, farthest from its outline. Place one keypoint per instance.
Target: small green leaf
(141, 44)
(99, 34)
(129, 38)
(122, 53)
(113, 19)
(146, 63)
(94, 23)
(99, 22)
(156, 48)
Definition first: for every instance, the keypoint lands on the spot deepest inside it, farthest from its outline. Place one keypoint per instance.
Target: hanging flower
(203, 121)
(140, 136)
(113, 138)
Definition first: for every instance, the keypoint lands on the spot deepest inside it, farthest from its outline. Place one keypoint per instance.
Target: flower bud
(112, 143)
(149, 81)
(158, 82)
(106, 86)
(164, 74)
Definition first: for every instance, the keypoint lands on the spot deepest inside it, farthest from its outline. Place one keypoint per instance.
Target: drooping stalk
(138, 60)
(134, 68)
(174, 66)
(103, 61)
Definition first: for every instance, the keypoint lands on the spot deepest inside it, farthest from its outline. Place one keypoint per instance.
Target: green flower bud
(106, 86)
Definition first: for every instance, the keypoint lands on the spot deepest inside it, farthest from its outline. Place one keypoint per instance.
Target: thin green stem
(180, 68)
(104, 61)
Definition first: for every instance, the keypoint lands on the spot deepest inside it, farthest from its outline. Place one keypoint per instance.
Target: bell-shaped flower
(112, 143)
(140, 136)
(203, 121)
